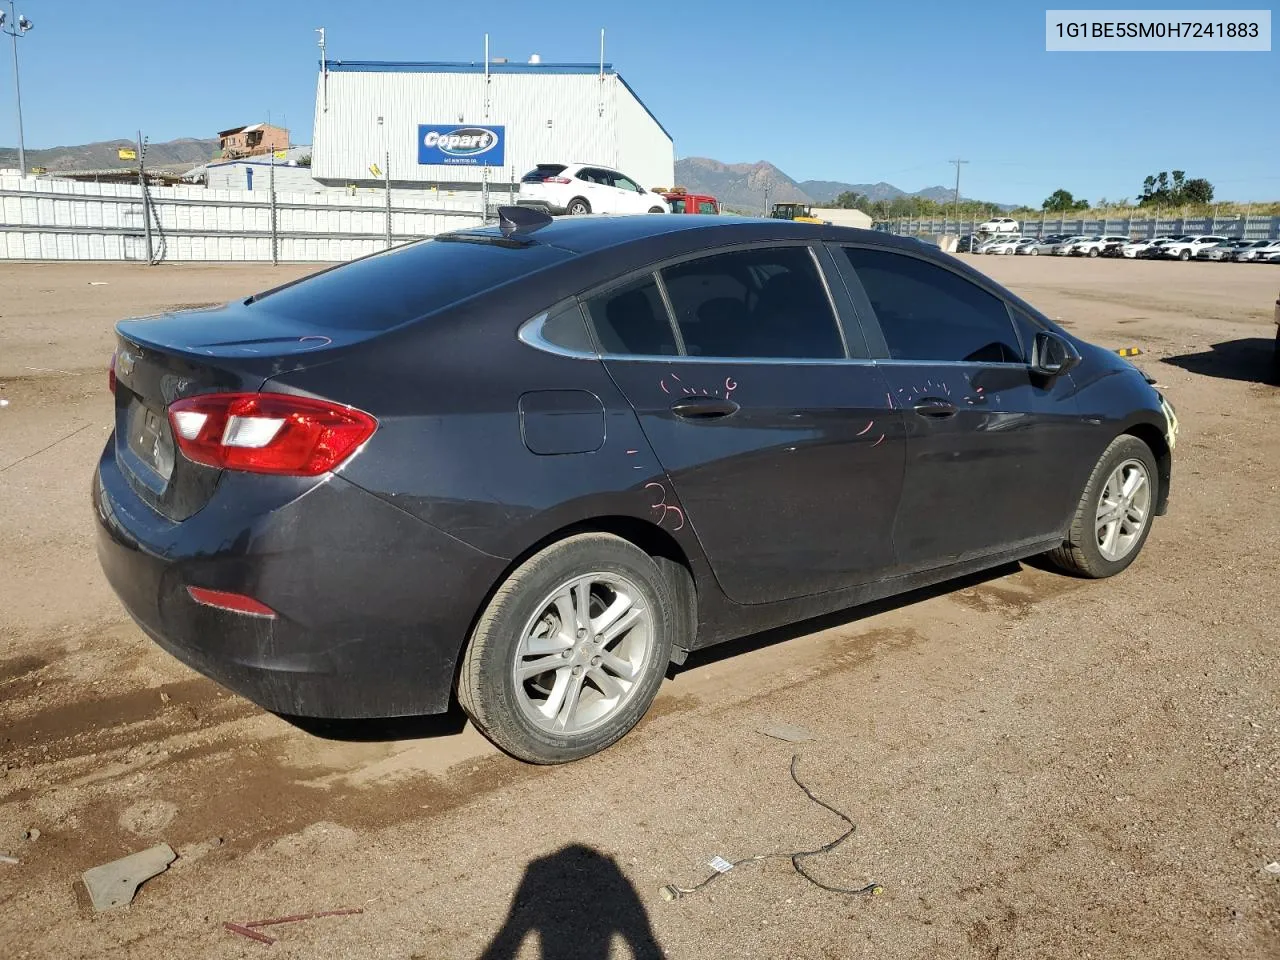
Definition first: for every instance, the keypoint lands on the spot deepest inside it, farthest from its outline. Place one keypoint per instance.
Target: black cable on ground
(673, 892)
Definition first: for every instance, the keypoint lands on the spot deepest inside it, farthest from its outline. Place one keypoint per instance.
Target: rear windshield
(388, 289)
(542, 171)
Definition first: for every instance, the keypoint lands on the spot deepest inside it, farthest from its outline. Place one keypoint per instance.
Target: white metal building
(369, 117)
(255, 173)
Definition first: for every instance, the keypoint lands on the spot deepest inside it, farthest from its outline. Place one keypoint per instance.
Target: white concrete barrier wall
(50, 219)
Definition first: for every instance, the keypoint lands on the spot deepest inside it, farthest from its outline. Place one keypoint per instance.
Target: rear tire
(1083, 552)
(578, 207)
(656, 210)
(1184, 256)
(1093, 252)
(565, 712)
(1033, 252)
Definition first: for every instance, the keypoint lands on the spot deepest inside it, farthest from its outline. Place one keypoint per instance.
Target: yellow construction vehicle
(799, 212)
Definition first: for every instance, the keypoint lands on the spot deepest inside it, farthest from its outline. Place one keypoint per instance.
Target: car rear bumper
(373, 606)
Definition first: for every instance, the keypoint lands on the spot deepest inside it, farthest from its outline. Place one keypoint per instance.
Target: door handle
(703, 408)
(935, 408)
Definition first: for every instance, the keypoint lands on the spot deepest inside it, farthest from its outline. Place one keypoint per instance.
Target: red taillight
(556, 180)
(268, 432)
(111, 373)
(235, 602)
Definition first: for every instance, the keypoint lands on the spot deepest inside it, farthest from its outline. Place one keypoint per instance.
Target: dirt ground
(1038, 766)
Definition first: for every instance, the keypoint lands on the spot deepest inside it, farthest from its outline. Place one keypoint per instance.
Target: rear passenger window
(929, 313)
(766, 302)
(633, 319)
(565, 328)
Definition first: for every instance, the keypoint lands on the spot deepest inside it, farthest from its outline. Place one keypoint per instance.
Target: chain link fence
(1241, 227)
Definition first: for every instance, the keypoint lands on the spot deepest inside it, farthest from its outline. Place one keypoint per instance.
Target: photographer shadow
(576, 901)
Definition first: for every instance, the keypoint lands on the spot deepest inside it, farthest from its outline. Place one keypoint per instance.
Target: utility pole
(957, 200)
(18, 28)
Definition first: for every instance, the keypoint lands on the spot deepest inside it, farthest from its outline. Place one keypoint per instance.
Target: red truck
(682, 201)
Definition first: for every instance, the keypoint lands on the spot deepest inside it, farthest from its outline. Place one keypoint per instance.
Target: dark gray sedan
(534, 464)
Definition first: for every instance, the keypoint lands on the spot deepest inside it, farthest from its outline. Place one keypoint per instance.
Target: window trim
(862, 303)
(681, 349)
(654, 270)
(530, 332)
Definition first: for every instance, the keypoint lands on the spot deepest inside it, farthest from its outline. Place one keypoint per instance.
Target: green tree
(1161, 190)
(852, 200)
(1061, 201)
(1198, 190)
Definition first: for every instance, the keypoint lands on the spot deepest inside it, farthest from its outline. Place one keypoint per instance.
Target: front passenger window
(927, 312)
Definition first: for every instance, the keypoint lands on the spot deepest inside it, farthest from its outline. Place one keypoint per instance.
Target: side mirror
(1052, 356)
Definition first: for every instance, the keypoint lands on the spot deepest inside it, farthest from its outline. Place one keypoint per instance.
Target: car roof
(592, 232)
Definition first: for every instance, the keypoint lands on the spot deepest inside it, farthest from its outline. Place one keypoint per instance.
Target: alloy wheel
(581, 657)
(1124, 510)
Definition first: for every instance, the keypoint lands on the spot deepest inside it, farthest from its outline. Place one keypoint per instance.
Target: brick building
(257, 138)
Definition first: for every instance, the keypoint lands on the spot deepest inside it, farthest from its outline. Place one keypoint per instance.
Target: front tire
(1093, 252)
(578, 207)
(1033, 252)
(1113, 517)
(1184, 256)
(571, 650)
(656, 210)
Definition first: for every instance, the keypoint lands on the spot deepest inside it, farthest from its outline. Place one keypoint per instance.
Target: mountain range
(737, 185)
(174, 155)
(742, 185)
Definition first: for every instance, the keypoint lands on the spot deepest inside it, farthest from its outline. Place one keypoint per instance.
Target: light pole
(957, 194)
(15, 29)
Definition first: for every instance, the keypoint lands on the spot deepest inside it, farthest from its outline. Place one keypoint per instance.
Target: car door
(592, 186)
(630, 197)
(991, 446)
(773, 427)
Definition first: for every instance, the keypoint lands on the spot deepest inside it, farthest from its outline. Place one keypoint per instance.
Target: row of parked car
(1189, 247)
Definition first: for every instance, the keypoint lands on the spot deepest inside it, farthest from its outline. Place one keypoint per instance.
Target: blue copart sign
(470, 146)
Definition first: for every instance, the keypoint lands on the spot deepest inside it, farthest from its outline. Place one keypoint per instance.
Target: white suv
(1136, 249)
(1000, 225)
(1188, 247)
(578, 188)
(1095, 246)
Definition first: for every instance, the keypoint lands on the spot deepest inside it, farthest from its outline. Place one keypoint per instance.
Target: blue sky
(855, 91)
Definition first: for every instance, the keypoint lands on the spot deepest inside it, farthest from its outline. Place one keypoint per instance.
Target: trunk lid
(165, 358)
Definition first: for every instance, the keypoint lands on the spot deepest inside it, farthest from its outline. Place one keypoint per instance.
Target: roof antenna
(521, 219)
